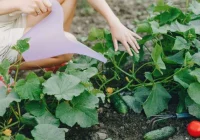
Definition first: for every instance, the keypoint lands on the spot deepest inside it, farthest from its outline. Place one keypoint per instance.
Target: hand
(34, 7)
(125, 36)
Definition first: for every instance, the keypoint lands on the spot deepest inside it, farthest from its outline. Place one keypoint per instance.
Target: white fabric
(11, 29)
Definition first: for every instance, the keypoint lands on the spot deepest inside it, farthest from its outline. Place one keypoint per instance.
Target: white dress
(11, 29)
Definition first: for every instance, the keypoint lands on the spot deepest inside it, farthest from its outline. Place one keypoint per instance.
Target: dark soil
(111, 124)
(131, 126)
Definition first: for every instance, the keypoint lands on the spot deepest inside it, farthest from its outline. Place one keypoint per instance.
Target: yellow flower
(109, 90)
(7, 132)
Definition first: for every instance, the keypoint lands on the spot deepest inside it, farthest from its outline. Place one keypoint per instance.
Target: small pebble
(102, 136)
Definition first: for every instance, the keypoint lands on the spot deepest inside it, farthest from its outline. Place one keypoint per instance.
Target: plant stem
(121, 58)
(121, 89)
(16, 75)
(13, 124)
(113, 78)
(142, 66)
(14, 112)
(19, 111)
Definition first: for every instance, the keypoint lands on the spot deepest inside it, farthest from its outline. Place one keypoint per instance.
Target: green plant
(40, 105)
(168, 67)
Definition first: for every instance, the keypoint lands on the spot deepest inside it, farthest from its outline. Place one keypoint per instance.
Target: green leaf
(4, 69)
(195, 7)
(197, 44)
(156, 56)
(48, 132)
(63, 86)
(156, 29)
(80, 110)
(81, 63)
(177, 27)
(5, 138)
(177, 58)
(6, 100)
(180, 44)
(184, 77)
(157, 101)
(96, 34)
(195, 24)
(21, 137)
(35, 108)
(47, 118)
(193, 108)
(98, 93)
(193, 92)
(136, 57)
(100, 47)
(28, 119)
(168, 16)
(136, 101)
(29, 88)
(196, 73)
(196, 58)
(22, 45)
(188, 60)
(84, 75)
(190, 34)
(144, 28)
(148, 76)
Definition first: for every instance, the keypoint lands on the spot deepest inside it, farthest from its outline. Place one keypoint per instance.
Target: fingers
(135, 42)
(127, 48)
(42, 7)
(135, 35)
(133, 45)
(38, 11)
(115, 44)
(47, 3)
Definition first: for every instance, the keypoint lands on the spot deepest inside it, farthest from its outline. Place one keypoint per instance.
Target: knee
(70, 36)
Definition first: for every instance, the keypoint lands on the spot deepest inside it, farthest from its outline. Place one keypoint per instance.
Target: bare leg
(69, 7)
(69, 10)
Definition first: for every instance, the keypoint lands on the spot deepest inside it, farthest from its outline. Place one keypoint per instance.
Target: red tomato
(194, 129)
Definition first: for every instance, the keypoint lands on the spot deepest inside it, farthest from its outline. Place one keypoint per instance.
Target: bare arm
(7, 6)
(103, 8)
(118, 30)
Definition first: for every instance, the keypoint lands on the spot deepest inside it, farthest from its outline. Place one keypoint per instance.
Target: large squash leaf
(63, 86)
(193, 108)
(80, 110)
(29, 88)
(184, 77)
(48, 132)
(86, 74)
(196, 73)
(35, 108)
(157, 100)
(136, 101)
(5, 99)
(193, 92)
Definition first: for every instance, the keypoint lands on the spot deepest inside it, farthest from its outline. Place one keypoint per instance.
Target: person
(19, 16)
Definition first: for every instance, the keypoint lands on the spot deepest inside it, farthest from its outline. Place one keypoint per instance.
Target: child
(19, 16)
